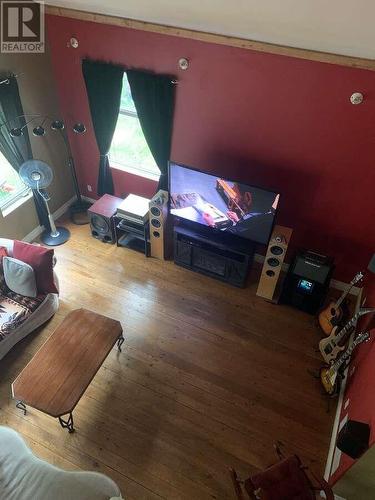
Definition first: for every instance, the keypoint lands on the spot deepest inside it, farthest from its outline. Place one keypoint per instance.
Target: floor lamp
(80, 206)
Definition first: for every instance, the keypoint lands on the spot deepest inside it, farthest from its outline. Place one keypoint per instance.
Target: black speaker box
(353, 439)
(307, 282)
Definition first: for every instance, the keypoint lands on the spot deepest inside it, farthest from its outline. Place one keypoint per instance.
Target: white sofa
(23, 476)
(33, 317)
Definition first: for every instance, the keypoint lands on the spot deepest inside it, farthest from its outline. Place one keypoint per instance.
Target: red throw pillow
(41, 260)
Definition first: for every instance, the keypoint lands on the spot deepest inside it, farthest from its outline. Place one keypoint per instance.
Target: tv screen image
(221, 204)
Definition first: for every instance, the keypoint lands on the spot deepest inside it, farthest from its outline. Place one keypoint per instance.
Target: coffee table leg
(21, 406)
(67, 424)
(120, 341)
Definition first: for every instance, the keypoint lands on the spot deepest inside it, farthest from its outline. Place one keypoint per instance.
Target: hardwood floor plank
(210, 377)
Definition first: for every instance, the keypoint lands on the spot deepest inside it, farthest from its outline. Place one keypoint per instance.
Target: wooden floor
(210, 376)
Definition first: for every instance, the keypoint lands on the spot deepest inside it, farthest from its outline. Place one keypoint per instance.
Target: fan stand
(57, 235)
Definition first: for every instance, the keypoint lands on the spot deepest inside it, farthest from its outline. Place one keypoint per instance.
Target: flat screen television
(221, 204)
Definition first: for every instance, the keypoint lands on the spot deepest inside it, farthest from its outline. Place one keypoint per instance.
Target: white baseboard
(338, 285)
(87, 198)
(58, 213)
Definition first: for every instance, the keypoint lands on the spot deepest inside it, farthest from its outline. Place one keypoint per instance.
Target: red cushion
(41, 260)
(284, 481)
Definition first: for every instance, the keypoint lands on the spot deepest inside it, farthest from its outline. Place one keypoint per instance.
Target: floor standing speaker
(273, 261)
(160, 239)
(101, 215)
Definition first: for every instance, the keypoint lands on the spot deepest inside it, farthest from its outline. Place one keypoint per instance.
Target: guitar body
(329, 317)
(330, 347)
(330, 375)
(330, 381)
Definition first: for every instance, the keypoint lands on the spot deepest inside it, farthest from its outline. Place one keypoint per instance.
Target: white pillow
(19, 277)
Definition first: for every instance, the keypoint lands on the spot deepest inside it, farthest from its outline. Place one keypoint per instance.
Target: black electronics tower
(307, 282)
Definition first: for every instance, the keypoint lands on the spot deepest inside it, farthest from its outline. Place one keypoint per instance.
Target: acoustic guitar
(331, 315)
(329, 374)
(331, 346)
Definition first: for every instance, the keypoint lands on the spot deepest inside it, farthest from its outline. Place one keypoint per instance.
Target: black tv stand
(212, 256)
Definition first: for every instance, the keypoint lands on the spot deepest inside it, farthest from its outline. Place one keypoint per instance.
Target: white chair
(44, 312)
(25, 477)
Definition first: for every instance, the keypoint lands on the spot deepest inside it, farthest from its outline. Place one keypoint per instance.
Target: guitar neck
(352, 322)
(347, 327)
(343, 296)
(346, 354)
(354, 281)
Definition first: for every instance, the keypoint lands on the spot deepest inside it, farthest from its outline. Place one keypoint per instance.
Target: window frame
(131, 169)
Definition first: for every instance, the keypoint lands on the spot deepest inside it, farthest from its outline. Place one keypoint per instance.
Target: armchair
(20, 315)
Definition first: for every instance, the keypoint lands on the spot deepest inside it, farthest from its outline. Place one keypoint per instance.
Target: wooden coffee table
(60, 372)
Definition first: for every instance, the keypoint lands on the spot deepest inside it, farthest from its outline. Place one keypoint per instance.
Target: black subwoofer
(102, 228)
(101, 215)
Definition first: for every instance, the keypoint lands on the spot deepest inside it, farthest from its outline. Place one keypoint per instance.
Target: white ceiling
(337, 26)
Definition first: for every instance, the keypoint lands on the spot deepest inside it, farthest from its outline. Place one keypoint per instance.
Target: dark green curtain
(104, 86)
(17, 149)
(153, 96)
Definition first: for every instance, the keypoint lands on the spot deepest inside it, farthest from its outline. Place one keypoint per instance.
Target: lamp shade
(57, 125)
(16, 132)
(79, 128)
(39, 131)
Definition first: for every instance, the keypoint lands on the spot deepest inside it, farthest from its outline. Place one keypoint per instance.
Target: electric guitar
(331, 346)
(331, 315)
(329, 374)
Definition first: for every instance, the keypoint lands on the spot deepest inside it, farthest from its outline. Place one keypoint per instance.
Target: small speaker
(353, 439)
(273, 262)
(101, 215)
(160, 239)
(307, 282)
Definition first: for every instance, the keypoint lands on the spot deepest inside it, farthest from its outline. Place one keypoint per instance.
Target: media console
(213, 257)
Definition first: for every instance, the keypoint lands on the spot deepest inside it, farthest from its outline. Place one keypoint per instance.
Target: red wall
(274, 121)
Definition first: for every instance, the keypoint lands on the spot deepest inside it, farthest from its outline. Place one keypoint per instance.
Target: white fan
(38, 175)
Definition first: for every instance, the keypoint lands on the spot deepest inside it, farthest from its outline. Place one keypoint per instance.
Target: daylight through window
(129, 149)
(11, 186)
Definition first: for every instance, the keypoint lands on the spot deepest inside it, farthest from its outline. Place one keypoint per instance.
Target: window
(11, 186)
(129, 150)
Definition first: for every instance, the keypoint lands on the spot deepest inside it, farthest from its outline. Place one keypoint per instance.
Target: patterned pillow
(14, 308)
